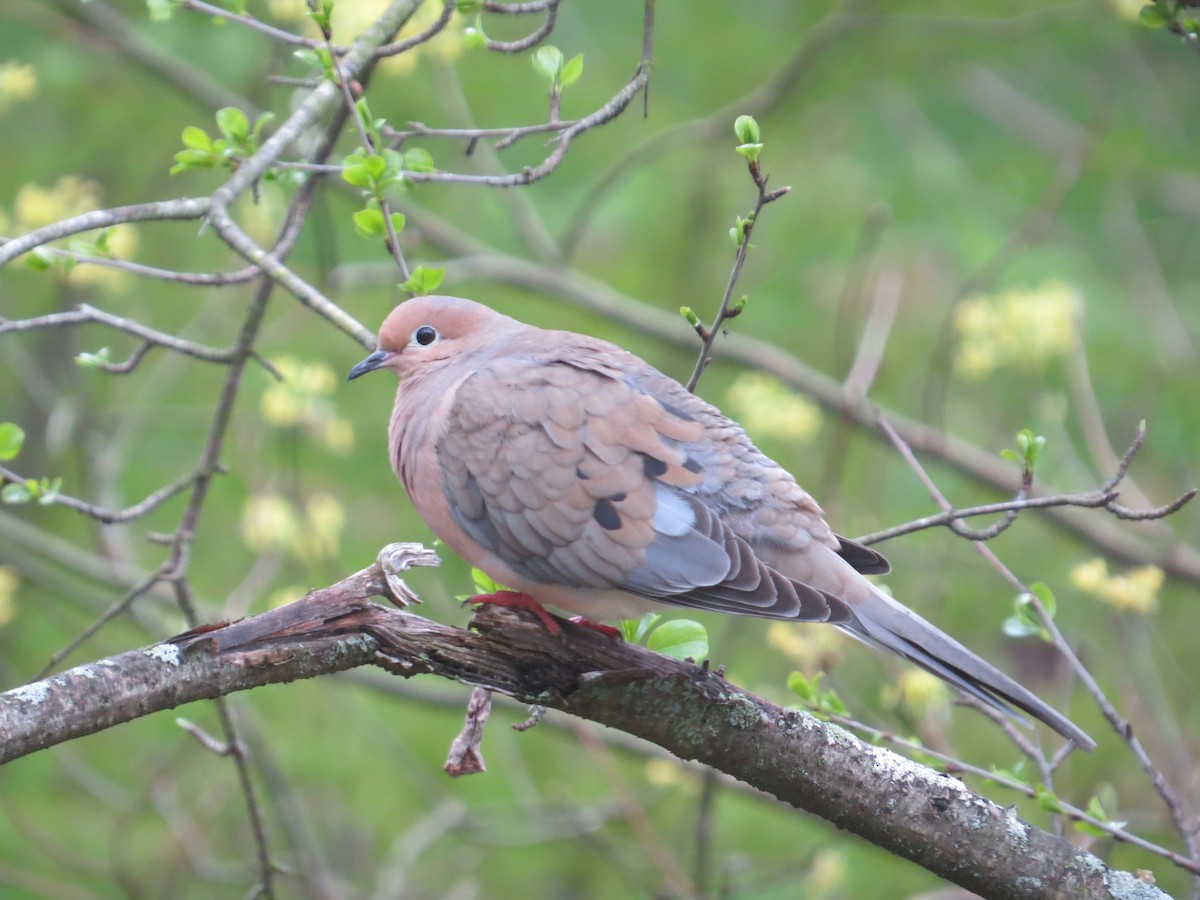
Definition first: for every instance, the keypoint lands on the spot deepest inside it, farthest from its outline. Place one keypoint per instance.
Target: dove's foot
(519, 600)
(606, 630)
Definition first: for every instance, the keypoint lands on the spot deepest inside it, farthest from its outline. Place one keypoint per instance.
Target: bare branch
(530, 40)
(724, 312)
(165, 210)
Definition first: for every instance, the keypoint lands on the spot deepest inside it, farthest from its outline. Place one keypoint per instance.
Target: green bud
(746, 129)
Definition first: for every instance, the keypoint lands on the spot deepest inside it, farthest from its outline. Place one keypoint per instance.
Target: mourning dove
(583, 477)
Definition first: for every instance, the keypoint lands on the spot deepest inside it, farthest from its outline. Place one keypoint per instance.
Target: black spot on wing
(692, 466)
(606, 515)
(653, 467)
(863, 559)
(675, 411)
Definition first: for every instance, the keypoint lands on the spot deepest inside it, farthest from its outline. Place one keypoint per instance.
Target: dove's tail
(882, 622)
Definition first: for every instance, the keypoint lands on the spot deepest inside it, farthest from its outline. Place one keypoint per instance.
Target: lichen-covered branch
(913, 811)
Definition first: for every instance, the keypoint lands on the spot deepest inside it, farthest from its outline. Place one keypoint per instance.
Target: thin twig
(724, 313)
(530, 40)
(162, 211)
(118, 517)
(1119, 724)
(448, 7)
(258, 25)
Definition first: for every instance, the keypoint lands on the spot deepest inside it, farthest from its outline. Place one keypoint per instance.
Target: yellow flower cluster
(812, 649)
(9, 580)
(301, 401)
(352, 19)
(826, 876)
(768, 408)
(1136, 591)
(1023, 328)
(35, 207)
(916, 693)
(312, 531)
(18, 81)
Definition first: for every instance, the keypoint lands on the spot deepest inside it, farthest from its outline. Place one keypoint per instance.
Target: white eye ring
(425, 335)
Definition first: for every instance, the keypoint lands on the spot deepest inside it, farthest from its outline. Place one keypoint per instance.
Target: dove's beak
(372, 362)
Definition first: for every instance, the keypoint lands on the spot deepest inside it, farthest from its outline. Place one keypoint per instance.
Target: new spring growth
(746, 129)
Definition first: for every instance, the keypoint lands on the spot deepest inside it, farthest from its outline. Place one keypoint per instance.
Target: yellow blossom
(38, 206)
(301, 400)
(338, 436)
(1022, 328)
(9, 581)
(812, 649)
(269, 522)
(273, 522)
(18, 81)
(1127, 9)
(668, 773)
(324, 519)
(1135, 591)
(826, 875)
(916, 693)
(1090, 576)
(352, 19)
(767, 407)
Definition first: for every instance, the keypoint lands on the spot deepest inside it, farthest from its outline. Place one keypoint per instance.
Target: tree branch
(695, 713)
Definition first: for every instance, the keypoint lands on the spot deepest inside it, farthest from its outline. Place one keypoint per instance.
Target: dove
(585, 479)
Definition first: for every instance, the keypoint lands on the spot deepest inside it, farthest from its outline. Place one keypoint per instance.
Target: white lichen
(164, 653)
(31, 693)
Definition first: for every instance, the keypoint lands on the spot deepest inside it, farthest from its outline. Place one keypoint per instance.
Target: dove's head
(425, 334)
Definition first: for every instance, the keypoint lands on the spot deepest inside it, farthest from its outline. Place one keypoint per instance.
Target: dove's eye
(425, 335)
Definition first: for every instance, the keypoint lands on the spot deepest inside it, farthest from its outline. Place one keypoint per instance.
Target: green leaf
(369, 222)
(746, 129)
(1042, 591)
(161, 10)
(1024, 622)
(260, 123)
(680, 638)
(571, 70)
(196, 138)
(484, 583)
(1151, 17)
(1046, 799)
(424, 280)
(48, 491)
(474, 37)
(398, 222)
(375, 165)
(95, 360)
(690, 315)
(418, 160)
(636, 630)
(193, 159)
(39, 259)
(15, 492)
(807, 689)
(357, 175)
(1016, 773)
(1096, 811)
(233, 123)
(12, 436)
(548, 62)
(750, 151)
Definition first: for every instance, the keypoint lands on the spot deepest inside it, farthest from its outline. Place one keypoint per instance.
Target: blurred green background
(1027, 177)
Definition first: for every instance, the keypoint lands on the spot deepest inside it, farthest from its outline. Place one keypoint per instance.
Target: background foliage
(1028, 177)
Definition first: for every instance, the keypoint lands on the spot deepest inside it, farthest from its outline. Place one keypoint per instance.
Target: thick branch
(907, 808)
